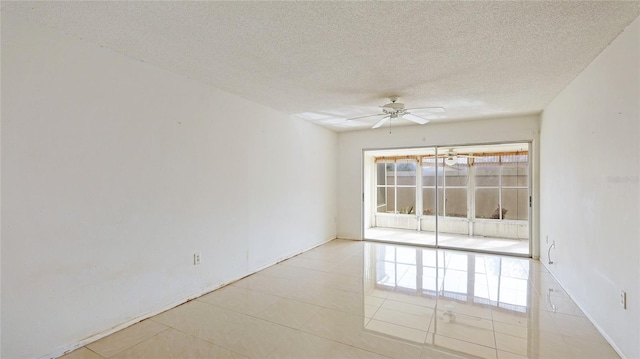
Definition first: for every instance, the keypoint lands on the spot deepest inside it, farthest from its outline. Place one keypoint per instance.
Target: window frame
(501, 169)
(394, 187)
(440, 186)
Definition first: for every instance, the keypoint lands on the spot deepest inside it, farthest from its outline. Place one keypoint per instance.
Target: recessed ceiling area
(329, 61)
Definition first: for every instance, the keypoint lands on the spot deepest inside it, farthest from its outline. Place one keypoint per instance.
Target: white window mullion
(444, 191)
(500, 191)
(418, 194)
(395, 187)
(471, 198)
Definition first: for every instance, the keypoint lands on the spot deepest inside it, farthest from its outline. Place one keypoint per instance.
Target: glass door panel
(431, 197)
(485, 195)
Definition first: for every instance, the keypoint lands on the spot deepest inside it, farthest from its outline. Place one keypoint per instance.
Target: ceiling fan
(451, 157)
(394, 110)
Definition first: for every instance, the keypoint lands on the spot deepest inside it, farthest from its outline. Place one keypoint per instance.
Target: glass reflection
(473, 278)
(453, 294)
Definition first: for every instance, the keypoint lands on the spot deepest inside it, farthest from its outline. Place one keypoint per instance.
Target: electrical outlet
(547, 239)
(196, 258)
(623, 299)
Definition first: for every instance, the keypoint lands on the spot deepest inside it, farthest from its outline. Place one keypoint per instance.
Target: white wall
(589, 184)
(115, 172)
(351, 145)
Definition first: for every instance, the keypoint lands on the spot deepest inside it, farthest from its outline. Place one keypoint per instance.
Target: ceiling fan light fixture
(451, 161)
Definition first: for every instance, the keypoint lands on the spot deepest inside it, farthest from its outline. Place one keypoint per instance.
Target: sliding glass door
(467, 197)
(485, 198)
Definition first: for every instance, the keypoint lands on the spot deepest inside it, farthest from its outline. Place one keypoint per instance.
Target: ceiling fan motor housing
(393, 108)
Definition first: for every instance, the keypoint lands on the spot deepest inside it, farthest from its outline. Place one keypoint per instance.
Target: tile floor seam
(248, 289)
(376, 311)
(204, 339)
(493, 328)
(221, 307)
(308, 320)
(254, 290)
(506, 350)
(400, 325)
(565, 336)
(322, 306)
(248, 315)
(360, 347)
(254, 316)
(466, 341)
(448, 351)
(307, 331)
(366, 350)
(344, 343)
(267, 320)
(140, 342)
(303, 267)
(92, 351)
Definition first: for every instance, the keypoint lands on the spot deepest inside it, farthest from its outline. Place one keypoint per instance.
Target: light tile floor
(350, 299)
(458, 241)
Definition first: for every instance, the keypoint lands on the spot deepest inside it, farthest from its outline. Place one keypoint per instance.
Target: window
(453, 183)
(456, 184)
(486, 186)
(396, 186)
(429, 186)
(385, 180)
(502, 187)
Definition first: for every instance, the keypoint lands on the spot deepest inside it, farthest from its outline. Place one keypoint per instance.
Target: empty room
(320, 179)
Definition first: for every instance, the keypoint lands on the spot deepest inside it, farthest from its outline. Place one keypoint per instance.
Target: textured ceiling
(334, 60)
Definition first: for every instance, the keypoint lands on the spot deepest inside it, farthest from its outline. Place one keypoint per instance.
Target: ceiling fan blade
(432, 109)
(414, 118)
(357, 118)
(381, 122)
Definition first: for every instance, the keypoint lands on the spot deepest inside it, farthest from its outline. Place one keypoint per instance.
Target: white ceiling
(329, 61)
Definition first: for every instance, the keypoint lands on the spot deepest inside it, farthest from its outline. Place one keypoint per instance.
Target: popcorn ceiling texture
(342, 59)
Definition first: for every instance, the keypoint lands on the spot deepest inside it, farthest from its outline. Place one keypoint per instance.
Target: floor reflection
(444, 298)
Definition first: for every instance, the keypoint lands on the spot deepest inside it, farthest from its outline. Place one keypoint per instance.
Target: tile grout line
(206, 340)
(90, 351)
(138, 343)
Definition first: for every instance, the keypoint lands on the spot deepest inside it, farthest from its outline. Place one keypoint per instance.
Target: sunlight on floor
(498, 245)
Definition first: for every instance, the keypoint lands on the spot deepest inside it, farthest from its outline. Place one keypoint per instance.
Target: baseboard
(293, 255)
(67, 349)
(586, 314)
(96, 337)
